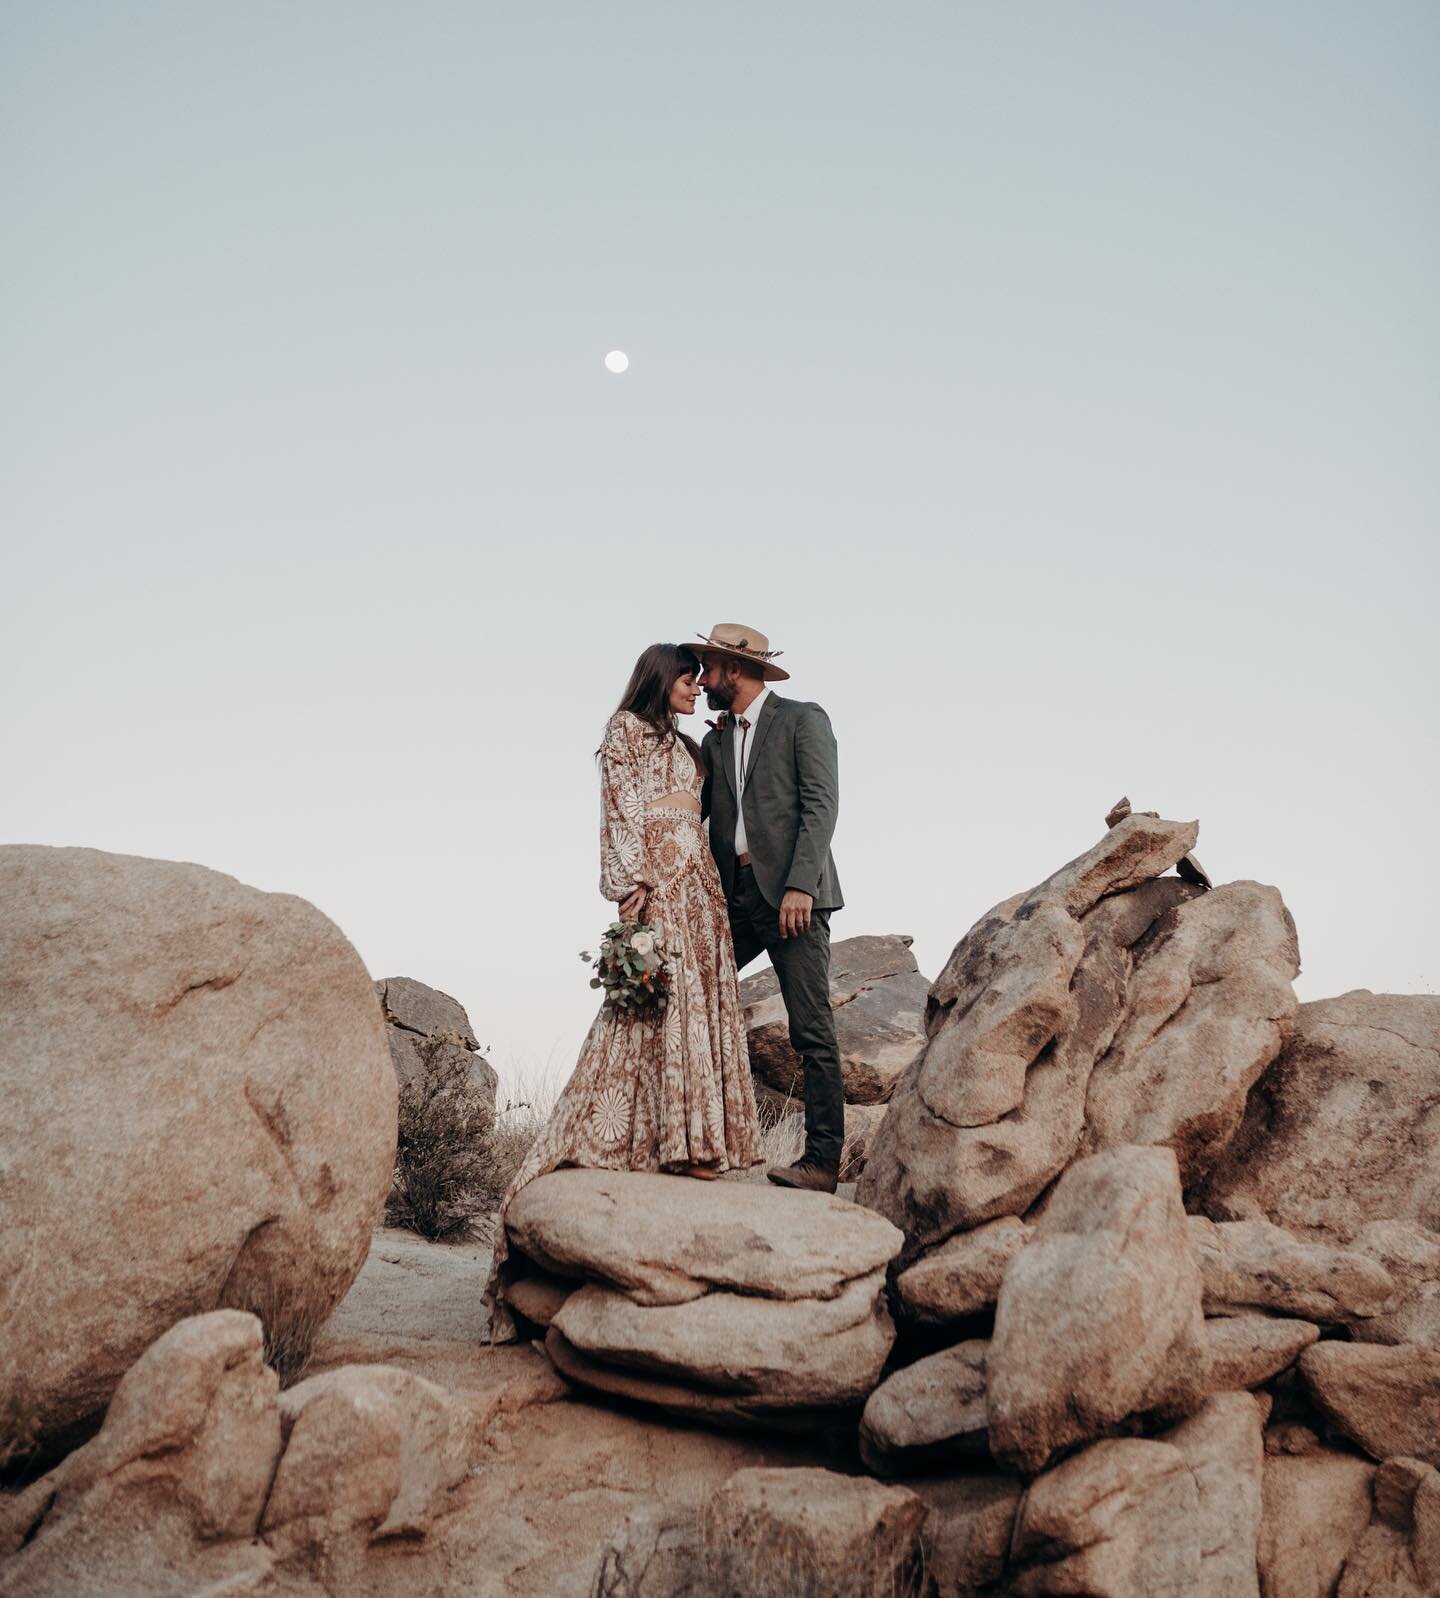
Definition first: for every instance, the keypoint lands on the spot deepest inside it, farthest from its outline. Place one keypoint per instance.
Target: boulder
(1344, 1129)
(798, 1530)
(793, 1352)
(1384, 1397)
(200, 1113)
(928, 1413)
(539, 1298)
(686, 1401)
(1398, 1555)
(408, 1052)
(423, 1011)
(1208, 1006)
(1032, 995)
(370, 1453)
(1254, 1265)
(962, 1276)
(731, 1300)
(1099, 1318)
(423, 1021)
(850, 1536)
(968, 1525)
(166, 1498)
(204, 1479)
(663, 1240)
(1314, 1508)
(1245, 1350)
(878, 996)
(1120, 1520)
(1223, 1446)
(1411, 1254)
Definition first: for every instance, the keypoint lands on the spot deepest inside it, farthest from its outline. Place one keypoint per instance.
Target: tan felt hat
(740, 642)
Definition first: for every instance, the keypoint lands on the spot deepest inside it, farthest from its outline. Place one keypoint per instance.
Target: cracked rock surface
(200, 1112)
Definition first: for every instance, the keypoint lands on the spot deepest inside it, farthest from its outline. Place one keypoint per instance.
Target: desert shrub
(445, 1154)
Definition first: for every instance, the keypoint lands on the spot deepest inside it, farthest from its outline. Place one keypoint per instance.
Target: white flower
(610, 1116)
(643, 943)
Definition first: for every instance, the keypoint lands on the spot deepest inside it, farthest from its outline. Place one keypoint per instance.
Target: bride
(669, 1092)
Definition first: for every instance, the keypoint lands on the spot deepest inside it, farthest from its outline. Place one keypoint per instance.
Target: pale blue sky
(1055, 383)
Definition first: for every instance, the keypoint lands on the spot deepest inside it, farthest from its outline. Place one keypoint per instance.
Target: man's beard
(721, 696)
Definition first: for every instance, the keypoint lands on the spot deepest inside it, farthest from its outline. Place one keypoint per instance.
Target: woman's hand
(630, 908)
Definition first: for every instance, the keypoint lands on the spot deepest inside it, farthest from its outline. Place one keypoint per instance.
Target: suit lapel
(759, 731)
(727, 754)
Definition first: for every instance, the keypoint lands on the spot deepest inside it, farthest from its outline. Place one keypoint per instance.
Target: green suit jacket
(792, 799)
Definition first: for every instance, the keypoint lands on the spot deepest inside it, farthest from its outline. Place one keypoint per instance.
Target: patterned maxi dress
(653, 1093)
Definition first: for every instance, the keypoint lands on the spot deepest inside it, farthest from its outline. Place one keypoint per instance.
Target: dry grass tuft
(290, 1325)
(782, 1131)
(704, 1553)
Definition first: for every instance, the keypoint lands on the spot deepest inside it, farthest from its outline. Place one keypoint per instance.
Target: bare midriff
(679, 800)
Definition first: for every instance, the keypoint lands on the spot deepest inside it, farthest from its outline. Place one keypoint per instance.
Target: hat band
(741, 649)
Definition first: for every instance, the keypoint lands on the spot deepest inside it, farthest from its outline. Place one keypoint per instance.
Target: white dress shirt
(744, 738)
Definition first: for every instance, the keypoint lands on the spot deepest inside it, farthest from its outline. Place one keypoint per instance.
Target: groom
(772, 793)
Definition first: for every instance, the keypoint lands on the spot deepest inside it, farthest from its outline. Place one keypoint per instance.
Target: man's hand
(630, 908)
(795, 910)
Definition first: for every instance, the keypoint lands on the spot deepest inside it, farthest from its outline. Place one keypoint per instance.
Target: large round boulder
(199, 1113)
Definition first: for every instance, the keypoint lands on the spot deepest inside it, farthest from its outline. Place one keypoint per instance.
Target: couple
(673, 1092)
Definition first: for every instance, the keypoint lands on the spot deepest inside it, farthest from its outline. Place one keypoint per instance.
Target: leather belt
(742, 859)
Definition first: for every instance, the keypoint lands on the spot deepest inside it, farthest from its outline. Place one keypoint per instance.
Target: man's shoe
(807, 1174)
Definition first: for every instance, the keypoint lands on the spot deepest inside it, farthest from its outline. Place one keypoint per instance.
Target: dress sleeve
(623, 865)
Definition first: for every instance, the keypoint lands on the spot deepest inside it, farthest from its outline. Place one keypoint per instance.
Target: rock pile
(1105, 1053)
(203, 1477)
(1162, 1251)
(417, 1016)
(199, 1112)
(726, 1301)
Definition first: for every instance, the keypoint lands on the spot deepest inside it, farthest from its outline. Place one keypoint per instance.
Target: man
(772, 793)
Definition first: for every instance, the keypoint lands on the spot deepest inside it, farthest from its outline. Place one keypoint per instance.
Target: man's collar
(752, 711)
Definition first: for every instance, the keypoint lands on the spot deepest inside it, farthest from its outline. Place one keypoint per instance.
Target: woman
(670, 1092)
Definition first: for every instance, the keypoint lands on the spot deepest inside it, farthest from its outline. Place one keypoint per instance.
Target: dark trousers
(803, 967)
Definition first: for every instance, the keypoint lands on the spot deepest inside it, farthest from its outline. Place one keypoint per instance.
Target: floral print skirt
(660, 1092)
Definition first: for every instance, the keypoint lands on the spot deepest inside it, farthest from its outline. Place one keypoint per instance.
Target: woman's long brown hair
(647, 694)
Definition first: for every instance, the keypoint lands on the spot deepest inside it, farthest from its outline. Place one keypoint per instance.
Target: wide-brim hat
(740, 642)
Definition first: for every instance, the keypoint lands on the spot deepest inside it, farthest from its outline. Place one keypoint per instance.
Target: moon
(616, 361)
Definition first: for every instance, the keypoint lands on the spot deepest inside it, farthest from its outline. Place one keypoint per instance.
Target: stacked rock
(721, 1301)
(1155, 1401)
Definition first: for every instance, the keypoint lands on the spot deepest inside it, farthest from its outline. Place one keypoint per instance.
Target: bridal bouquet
(631, 968)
